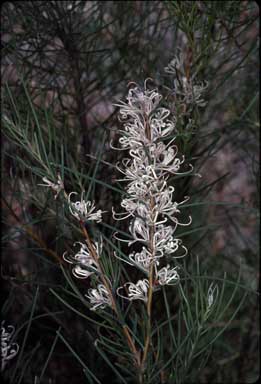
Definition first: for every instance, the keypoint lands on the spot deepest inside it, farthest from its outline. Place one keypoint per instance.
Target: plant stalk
(125, 329)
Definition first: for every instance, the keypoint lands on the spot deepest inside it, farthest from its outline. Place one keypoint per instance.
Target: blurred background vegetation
(64, 64)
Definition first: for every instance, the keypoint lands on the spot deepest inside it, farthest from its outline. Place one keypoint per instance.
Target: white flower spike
(149, 200)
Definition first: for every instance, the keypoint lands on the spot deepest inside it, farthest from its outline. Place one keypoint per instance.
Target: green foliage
(70, 61)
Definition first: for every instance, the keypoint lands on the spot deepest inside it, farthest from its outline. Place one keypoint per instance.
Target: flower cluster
(86, 261)
(82, 210)
(149, 202)
(186, 89)
(8, 350)
(84, 265)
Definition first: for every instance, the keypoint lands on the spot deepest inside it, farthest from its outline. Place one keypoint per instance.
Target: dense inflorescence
(149, 135)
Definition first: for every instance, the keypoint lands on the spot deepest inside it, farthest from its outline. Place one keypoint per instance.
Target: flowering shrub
(148, 135)
(122, 255)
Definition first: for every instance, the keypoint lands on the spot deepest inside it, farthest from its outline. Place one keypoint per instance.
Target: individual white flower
(84, 210)
(134, 134)
(56, 187)
(143, 259)
(166, 275)
(164, 202)
(138, 170)
(162, 236)
(165, 205)
(169, 162)
(140, 189)
(133, 207)
(165, 243)
(8, 350)
(139, 230)
(99, 298)
(130, 205)
(83, 261)
(169, 246)
(138, 291)
(160, 125)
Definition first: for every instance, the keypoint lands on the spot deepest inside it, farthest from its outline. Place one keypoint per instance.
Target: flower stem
(34, 236)
(125, 329)
(151, 270)
(150, 292)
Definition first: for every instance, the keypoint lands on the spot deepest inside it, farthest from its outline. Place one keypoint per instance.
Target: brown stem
(125, 329)
(33, 235)
(150, 293)
(126, 332)
(151, 270)
(96, 259)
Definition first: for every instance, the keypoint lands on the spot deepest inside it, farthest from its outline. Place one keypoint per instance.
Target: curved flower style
(8, 350)
(99, 297)
(137, 291)
(143, 259)
(166, 275)
(84, 210)
(139, 102)
(140, 110)
(149, 200)
(84, 263)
